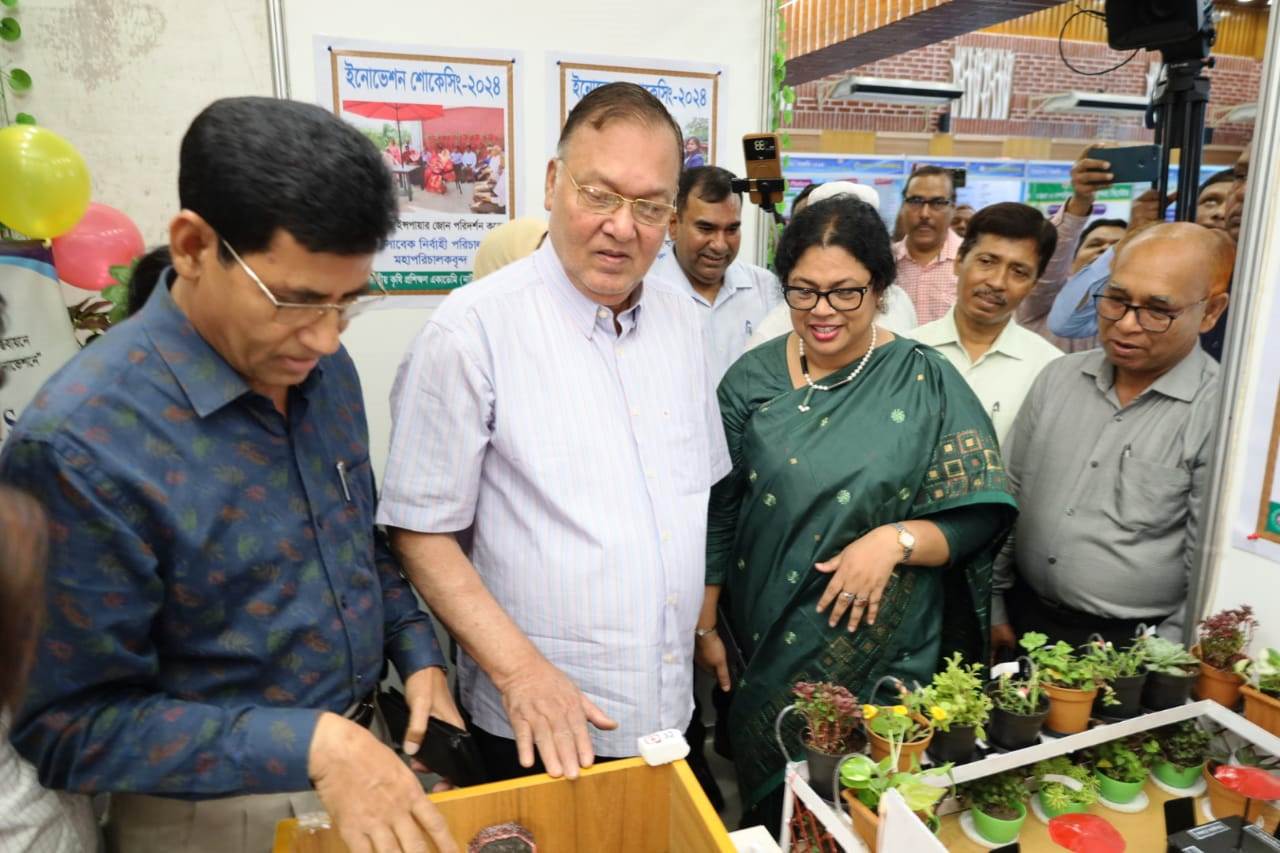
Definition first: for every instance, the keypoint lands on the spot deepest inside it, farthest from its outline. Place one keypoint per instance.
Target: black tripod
(1178, 110)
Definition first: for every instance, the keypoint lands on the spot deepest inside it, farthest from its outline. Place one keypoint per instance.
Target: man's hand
(1002, 637)
(377, 804)
(547, 710)
(1088, 177)
(1147, 208)
(426, 692)
(710, 655)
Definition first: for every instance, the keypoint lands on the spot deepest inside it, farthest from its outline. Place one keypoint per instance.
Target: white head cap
(861, 192)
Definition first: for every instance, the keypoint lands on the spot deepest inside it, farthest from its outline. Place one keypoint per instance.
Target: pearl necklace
(814, 386)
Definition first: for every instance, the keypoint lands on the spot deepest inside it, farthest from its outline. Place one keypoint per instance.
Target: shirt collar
(950, 248)
(1181, 382)
(208, 381)
(584, 313)
(1009, 342)
(736, 276)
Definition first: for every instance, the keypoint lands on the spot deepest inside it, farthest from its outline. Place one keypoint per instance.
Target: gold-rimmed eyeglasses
(300, 314)
(604, 202)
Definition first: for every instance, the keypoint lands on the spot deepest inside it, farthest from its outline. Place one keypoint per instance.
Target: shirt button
(1070, 511)
(666, 537)
(1053, 561)
(1093, 464)
(635, 413)
(648, 472)
(673, 599)
(1119, 418)
(359, 677)
(343, 602)
(603, 313)
(668, 658)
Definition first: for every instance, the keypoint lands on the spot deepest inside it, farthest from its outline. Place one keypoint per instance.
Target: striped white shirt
(34, 819)
(584, 457)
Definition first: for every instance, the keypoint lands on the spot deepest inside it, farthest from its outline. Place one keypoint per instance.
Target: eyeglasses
(840, 298)
(298, 314)
(936, 203)
(605, 203)
(1151, 319)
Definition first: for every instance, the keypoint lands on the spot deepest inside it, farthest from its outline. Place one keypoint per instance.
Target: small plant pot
(1119, 792)
(1008, 730)
(865, 822)
(1261, 709)
(1175, 777)
(1069, 709)
(909, 750)
(822, 769)
(1224, 801)
(1220, 685)
(956, 745)
(1128, 690)
(1074, 808)
(1166, 691)
(996, 830)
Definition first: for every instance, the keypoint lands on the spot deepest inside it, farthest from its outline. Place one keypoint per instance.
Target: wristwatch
(905, 539)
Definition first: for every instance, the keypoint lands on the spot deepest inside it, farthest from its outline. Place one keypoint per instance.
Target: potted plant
(897, 730)
(1122, 766)
(1262, 692)
(1065, 787)
(1224, 801)
(959, 710)
(1184, 747)
(1019, 707)
(867, 780)
(1123, 670)
(833, 721)
(1069, 679)
(1171, 671)
(1224, 636)
(998, 805)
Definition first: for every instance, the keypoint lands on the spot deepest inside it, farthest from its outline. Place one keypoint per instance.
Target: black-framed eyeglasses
(604, 202)
(936, 203)
(839, 298)
(299, 314)
(1156, 320)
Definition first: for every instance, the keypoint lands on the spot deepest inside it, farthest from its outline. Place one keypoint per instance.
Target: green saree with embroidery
(812, 472)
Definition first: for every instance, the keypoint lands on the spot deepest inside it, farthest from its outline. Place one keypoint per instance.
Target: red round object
(1251, 782)
(1085, 833)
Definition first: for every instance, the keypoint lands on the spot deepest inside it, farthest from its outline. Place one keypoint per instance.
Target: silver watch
(905, 539)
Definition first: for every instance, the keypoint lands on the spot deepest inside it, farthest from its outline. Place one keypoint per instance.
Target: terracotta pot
(914, 748)
(1223, 801)
(1220, 685)
(1261, 709)
(1069, 709)
(865, 822)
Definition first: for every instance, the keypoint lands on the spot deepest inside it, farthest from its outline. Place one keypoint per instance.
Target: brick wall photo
(1038, 70)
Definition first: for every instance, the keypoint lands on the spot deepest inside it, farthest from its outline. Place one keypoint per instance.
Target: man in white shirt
(706, 234)
(561, 408)
(1005, 250)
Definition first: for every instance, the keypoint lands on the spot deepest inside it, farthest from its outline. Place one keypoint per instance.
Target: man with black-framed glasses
(927, 252)
(223, 605)
(1109, 455)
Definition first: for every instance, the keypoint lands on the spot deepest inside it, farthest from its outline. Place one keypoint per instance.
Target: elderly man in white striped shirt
(562, 408)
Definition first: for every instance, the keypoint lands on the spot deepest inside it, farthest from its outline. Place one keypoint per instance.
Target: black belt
(362, 711)
(1084, 619)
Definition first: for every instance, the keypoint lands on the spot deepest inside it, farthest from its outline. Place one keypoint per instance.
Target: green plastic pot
(1078, 808)
(998, 831)
(1119, 792)
(1175, 778)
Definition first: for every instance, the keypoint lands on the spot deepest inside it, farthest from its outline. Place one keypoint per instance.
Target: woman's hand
(710, 655)
(859, 575)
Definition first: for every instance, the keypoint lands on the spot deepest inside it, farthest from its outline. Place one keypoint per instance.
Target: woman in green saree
(854, 536)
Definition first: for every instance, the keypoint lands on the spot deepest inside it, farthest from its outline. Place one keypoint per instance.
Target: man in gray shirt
(1109, 455)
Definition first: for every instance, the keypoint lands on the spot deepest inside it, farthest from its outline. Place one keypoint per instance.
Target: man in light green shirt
(1005, 251)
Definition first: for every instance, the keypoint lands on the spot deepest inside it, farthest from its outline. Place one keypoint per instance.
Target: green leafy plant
(13, 80)
(831, 714)
(955, 697)
(1127, 759)
(869, 780)
(1246, 754)
(895, 723)
(1058, 663)
(1166, 656)
(1023, 696)
(1225, 635)
(1184, 744)
(96, 314)
(1263, 672)
(999, 795)
(1110, 662)
(1059, 796)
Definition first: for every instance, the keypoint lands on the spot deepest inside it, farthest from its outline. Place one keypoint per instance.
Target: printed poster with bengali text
(445, 122)
(691, 92)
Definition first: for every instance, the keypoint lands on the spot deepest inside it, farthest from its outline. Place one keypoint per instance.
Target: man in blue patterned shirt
(221, 604)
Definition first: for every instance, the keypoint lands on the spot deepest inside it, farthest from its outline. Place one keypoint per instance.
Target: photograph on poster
(445, 127)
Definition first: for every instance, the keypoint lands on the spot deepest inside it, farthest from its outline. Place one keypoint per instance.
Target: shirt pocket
(1151, 496)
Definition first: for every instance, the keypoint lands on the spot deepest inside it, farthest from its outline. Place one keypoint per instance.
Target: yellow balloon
(44, 183)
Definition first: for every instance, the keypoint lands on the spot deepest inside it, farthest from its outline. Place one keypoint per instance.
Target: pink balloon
(104, 238)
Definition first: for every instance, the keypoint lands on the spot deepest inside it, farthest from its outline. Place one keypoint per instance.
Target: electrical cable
(1062, 39)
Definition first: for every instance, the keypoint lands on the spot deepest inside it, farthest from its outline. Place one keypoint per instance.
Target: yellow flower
(869, 712)
(938, 712)
(900, 710)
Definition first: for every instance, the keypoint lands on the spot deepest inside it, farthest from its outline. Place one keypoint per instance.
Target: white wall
(727, 32)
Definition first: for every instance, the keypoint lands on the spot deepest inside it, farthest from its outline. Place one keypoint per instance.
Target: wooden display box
(621, 806)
